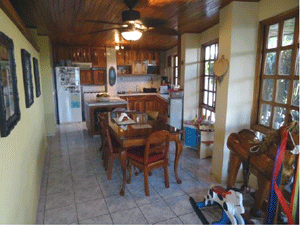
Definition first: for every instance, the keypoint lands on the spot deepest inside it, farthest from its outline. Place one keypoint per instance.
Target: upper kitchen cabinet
(86, 77)
(99, 77)
(98, 56)
(95, 55)
(120, 57)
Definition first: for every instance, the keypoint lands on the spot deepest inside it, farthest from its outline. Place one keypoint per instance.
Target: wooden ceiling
(64, 20)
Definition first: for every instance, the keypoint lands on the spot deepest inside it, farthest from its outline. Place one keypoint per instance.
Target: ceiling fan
(133, 25)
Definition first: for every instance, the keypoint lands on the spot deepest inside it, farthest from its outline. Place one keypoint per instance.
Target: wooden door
(86, 77)
(150, 104)
(157, 57)
(99, 77)
(128, 60)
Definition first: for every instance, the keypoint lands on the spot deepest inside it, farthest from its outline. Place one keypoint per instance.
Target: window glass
(295, 99)
(282, 91)
(205, 97)
(265, 115)
(297, 64)
(273, 36)
(207, 52)
(295, 115)
(210, 99)
(285, 61)
(211, 68)
(212, 52)
(288, 32)
(279, 115)
(270, 63)
(268, 89)
(206, 81)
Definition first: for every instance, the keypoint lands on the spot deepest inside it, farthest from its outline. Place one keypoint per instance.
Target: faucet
(137, 88)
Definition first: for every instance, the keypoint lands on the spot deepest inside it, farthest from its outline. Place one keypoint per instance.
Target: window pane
(207, 52)
(297, 64)
(273, 36)
(217, 46)
(176, 61)
(206, 68)
(282, 91)
(203, 111)
(210, 99)
(270, 63)
(285, 60)
(205, 97)
(265, 115)
(213, 117)
(215, 84)
(208, 114)
(212, 52)
(268, 89)
(288, 32)
(279, 115)
(295, 115)
(295, 98)
(211, 68)
(206, 79)
(211, 84)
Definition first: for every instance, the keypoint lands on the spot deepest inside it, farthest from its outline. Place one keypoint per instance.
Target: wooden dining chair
(101, 118)
(112, 149)
(154, 155)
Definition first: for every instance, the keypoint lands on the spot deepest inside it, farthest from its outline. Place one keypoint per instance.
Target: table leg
(177, 156)
(123, 165)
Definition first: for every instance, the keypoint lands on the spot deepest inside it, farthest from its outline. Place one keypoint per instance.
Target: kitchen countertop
(163, 96)
(112, 101)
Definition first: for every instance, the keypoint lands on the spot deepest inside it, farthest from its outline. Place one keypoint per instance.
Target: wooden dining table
(135, 135)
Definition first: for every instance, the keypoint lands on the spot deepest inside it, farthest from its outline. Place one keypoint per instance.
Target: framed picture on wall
(27, 77)
(36, 77)
(9, 96)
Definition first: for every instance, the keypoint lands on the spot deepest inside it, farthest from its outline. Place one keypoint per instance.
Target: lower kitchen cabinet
(145, 103)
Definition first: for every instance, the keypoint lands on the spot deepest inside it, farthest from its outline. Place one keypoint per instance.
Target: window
(175, 70)
(208, 87)
(278, 78)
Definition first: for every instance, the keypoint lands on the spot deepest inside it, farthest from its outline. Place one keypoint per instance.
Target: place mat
(141, 126)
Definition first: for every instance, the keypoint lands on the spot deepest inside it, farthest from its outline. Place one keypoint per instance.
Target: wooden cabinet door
(157, 57)
(99, 77)
(98, 56)
(120, 57)
(139, 105)
(86, 77)
(128, 60)
(150, 104)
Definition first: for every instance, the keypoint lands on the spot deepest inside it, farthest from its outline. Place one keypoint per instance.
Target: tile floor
(75, 190)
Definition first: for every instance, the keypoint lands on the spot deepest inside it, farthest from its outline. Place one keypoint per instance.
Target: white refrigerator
(68, 94)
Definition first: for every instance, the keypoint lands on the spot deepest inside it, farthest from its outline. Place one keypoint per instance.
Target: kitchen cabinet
(89, 77)
(85, 54)
(98, 56)
(86, 77)
(130, 57)
(145, 103)
(99, 77)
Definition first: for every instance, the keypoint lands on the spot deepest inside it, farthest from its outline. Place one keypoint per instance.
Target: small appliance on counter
(164, 89)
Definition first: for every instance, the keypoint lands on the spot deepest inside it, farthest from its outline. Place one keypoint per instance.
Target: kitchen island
(92, 107)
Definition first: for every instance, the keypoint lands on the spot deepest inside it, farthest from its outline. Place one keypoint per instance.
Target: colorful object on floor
(230, 201)
(275, 192)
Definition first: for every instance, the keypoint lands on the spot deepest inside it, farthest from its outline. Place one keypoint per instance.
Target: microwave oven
(152, 69)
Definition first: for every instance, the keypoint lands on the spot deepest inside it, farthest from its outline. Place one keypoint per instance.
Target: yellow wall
(270, 8)
(47, 82)
(22, 152)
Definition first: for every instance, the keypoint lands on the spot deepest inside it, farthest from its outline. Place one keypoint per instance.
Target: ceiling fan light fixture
(132, 35)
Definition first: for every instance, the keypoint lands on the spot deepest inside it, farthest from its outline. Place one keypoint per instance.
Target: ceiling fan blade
(103, 22)
(95, 32)
(163, 31)
(152, 22)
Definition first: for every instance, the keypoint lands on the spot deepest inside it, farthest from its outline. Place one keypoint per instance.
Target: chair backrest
(157, 142)
(105, 131)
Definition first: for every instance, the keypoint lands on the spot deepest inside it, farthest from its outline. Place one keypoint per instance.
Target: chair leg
(129, 167)
(146, 182)
(166, 172)
(110, 167)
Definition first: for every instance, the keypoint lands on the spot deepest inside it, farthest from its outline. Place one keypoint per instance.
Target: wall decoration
(220, 68)
(9, 97)
(36, 77)
(112, 76)
(27, 77)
